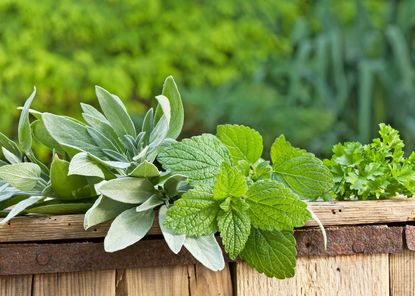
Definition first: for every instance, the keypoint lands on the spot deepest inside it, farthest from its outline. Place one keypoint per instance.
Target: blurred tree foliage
(318, 71)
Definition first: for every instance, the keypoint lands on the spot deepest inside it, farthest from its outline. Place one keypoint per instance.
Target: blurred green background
(318, 71)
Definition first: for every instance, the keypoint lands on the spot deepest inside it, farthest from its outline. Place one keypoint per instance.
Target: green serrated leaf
(229, 182)
(272, 206)
(127, 189)
(23, 176)
(272, 253)
(301, 171)
(244, 143)
(194, 214)
(24, 131)
(199, 158)
(234, 228)
(115, 112)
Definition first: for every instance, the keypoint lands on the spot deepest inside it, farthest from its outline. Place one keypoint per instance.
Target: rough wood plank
(402, 273)
(364, 212)
(40, 228)
(203, 281)
(357, 275)
(157, 281)
(64, 227)
(174, 280)
(16, 285)
(90, 283)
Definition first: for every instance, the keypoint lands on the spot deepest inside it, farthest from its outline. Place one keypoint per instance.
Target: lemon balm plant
(200, 187)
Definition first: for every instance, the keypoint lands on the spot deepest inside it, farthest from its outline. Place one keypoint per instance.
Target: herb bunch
(378, 170)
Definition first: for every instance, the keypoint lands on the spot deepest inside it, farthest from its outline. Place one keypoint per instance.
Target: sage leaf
(244, 143)
(271, 252)
(127, 190)
(104, 209)
(173, 240)
(150, 203)
(42, 135)
(24, 131)
(82, 165)
(206, 250)
(10, 145)
(145, 170)
(175, 185)
(199, 158)
(115, 112)
(10, 157)
(20, 207)
(127, 229)
(23, 176)
(59, 208)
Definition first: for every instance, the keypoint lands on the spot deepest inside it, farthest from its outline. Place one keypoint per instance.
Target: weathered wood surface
(357, 275)
(402, 273)
(68, 227)
(186, 280)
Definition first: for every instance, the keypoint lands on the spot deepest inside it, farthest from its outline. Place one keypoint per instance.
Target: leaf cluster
(378, 170)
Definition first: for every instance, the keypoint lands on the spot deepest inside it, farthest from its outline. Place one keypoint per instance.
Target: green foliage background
(318, 71)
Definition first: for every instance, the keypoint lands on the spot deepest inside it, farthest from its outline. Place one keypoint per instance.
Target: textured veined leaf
(173, 240)
(128, 228)
(273, 206)
(234, 228)
(199, 158)
(24, 131)
(176, 106)
(23, 176)
(194, 214)
(229, 182)
(68, 187)
(104, 209)
(82, 165)
(70, 133)
(244, 143)
(206, 250)
(300, 170)
(272, 253)
(115, 112)
(127, 190)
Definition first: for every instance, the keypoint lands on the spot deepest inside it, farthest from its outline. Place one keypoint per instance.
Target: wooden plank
(40, 228)
(174, 280)
(357, 275)
(16, 285)
(90, 283)
(402, 273)
(157, 281)
(363, 212)
(203, 281)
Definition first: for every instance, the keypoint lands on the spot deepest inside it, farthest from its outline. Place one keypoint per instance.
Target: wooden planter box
(370, 252)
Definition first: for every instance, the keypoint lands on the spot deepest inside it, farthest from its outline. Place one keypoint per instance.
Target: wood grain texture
(91, 283)
(40, 228)
(20, 285)
(402, 273)
(356, 275)
(190, 280)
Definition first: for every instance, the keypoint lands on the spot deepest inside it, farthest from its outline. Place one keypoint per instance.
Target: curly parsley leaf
(271, 252)
(301, 171)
